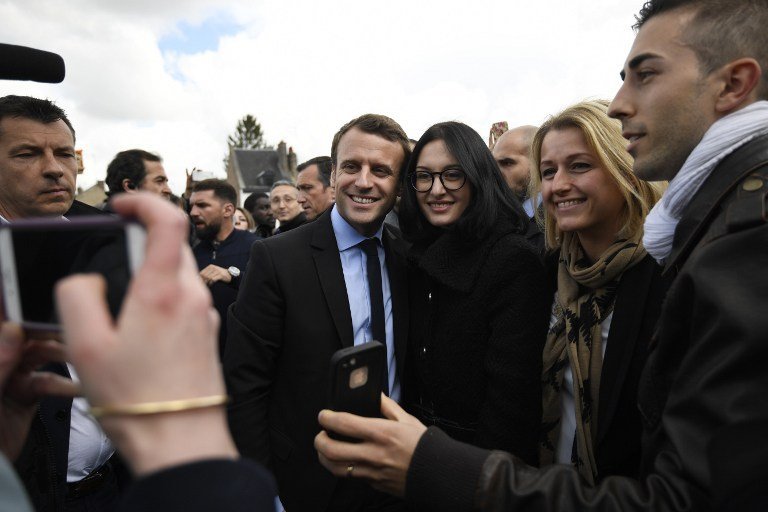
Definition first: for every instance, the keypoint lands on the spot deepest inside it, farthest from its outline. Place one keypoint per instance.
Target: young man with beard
(693, 108)
(512, 153)
(223, 251)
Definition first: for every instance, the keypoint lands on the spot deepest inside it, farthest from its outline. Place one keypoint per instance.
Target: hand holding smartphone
(358, 376)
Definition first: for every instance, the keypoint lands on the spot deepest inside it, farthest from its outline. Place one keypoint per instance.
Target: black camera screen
(44, 256)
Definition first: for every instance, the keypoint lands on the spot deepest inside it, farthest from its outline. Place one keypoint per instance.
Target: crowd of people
(571, 314)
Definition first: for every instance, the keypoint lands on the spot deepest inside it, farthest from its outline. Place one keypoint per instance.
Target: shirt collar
(346, 235)
(230, 237)
(213, 242)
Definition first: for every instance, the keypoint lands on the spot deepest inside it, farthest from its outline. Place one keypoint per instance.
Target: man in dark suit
(65, 462)
(306, 295)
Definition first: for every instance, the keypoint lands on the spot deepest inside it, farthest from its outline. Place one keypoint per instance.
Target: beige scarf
(585, 296)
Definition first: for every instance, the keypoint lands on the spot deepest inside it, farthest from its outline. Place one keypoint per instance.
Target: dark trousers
(104, 498)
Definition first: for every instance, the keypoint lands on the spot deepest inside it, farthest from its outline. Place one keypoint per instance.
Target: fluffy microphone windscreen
(22, 63)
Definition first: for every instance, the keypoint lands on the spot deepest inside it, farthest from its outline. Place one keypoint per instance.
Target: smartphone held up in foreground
(36, 253)
(358, 376)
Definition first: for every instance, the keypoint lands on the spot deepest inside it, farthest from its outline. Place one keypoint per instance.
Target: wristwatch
(234, 271)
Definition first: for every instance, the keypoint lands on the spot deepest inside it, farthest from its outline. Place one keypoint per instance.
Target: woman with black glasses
(478, 299)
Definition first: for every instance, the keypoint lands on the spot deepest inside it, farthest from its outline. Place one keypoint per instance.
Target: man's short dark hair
(221, 189)
(250, 201)
(128, 165)
(720, 31)
(27, 107)
(383, 126)
(324, 167)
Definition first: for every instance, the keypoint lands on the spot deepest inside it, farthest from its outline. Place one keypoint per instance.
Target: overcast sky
(174, 76)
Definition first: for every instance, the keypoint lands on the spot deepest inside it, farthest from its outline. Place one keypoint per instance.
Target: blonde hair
(603, 136)
(250, 223)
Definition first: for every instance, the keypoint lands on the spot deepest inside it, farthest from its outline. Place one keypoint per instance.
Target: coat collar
(234, 236)
(455, 263)
(706, 202)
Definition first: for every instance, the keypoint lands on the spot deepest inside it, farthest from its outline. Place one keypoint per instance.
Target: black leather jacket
(705, 381)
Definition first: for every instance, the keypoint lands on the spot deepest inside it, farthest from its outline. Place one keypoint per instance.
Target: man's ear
(229, 210)
(333, 178)
(128, 185)
(741, 81)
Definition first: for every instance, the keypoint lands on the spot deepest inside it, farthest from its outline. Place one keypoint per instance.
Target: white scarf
(724, 137)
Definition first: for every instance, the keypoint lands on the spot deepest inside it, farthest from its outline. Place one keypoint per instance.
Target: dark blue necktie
(373, 269)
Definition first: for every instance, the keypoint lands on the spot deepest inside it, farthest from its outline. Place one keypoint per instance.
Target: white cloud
(304, 68)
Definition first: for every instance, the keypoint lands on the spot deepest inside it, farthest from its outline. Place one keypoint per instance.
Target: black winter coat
(479, 315)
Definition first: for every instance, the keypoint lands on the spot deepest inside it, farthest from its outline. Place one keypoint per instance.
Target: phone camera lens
(352, 361)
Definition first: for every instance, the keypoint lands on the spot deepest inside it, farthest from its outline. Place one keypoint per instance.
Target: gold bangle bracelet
(159, 407)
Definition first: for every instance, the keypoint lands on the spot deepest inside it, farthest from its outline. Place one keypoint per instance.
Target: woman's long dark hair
(491, 197)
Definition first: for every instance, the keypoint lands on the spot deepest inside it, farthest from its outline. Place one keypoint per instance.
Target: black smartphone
(358, 376)
(36, 253)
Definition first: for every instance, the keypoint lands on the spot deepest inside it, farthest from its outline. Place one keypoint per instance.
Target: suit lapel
(698, 214)
(325, 252)
(622, 338)
(394, 248)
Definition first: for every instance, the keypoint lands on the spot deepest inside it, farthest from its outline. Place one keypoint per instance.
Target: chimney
(292, 163)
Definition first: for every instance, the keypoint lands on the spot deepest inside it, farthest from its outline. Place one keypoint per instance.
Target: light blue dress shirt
(353, 263)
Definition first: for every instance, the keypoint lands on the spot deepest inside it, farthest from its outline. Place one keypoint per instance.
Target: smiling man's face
(38, 168)
(365, 179)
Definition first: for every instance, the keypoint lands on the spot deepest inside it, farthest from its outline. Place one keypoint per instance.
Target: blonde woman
(609, 291)
(243, 219)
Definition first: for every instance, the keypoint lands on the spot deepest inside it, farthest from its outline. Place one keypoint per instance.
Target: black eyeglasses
(452, 179)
